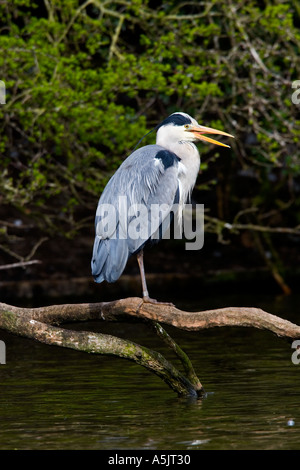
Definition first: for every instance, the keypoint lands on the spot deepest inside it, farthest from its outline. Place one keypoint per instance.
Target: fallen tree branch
(228, 316)
(23, 324)
(187, 365)
(38, 323)
(118, 310)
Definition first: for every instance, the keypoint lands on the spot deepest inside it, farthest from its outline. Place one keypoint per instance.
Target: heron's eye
(186, 126)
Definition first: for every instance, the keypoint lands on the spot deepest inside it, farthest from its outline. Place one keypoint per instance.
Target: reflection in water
(53, 398)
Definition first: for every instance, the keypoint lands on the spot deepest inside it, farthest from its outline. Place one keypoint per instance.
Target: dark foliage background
(85, 80)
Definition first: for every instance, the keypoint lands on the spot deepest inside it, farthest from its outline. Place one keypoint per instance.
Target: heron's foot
(148, 300)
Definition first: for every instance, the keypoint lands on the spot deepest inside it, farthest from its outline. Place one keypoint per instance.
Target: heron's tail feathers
(109, 259)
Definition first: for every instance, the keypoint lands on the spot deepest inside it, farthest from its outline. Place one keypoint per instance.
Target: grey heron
(164, 173)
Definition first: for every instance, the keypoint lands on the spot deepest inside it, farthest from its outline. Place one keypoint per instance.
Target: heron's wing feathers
(155, 214)
(135, 206)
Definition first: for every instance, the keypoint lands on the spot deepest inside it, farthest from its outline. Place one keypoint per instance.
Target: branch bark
(38, 323)
(117, 310)
(228, 316)
(20, 323)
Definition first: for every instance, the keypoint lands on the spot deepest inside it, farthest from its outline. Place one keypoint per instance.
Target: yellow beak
(198, 132)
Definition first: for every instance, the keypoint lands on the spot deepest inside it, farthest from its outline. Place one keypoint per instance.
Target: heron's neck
(190, 163)
(186, 151)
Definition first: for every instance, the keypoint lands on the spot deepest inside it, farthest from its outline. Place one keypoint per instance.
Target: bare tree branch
(22, 264)
(19, 321)
(117, 310)
(37, 323)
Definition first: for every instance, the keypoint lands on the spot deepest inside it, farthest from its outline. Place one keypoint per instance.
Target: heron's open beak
(198, 132)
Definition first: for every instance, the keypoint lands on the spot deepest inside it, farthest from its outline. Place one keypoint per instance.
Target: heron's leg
(146, 298)
(140, 260)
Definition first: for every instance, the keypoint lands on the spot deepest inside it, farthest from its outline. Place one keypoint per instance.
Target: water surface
(53, 398)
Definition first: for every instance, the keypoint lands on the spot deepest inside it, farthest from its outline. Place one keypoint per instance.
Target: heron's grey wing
(124, 221)
(154, 218)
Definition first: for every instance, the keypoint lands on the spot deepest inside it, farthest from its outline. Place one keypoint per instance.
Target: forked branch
(38, 323)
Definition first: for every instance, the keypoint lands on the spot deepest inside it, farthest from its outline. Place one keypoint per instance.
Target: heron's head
(180, 127)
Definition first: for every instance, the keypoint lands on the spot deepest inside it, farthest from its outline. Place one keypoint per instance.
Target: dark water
(52, 398)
